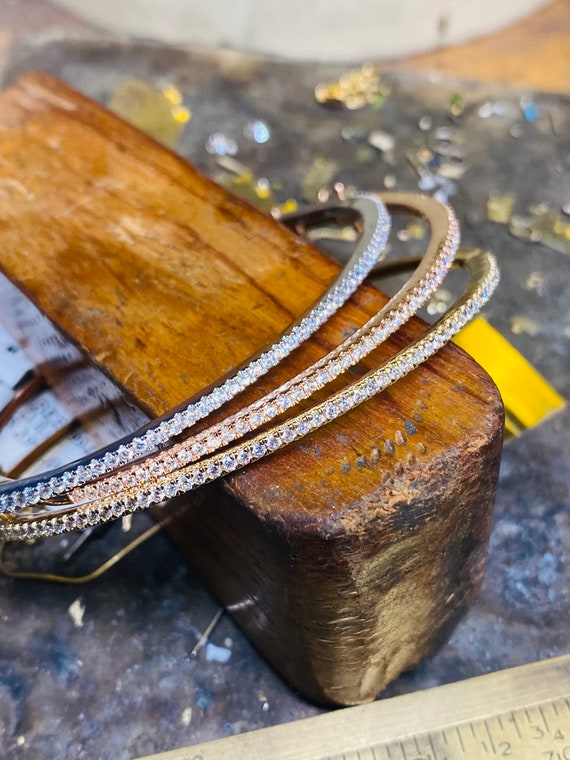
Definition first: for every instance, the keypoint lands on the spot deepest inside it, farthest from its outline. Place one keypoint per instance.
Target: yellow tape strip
(527, 396)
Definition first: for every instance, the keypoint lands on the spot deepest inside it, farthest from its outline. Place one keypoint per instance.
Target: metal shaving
(524, 325)
(355, 89)
(382, 141)
(320, 174)
(545, 225)
(500, 207)
(158, 111)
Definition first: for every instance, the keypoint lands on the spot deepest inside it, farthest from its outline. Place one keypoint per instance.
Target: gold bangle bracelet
(42, 521)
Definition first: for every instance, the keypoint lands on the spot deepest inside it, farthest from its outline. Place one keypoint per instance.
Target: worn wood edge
(254, 484)
(374, 577)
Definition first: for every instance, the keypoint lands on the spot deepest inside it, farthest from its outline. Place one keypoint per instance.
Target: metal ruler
(520, 714)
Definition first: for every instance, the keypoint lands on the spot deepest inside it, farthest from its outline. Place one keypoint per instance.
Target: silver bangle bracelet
(375, 223)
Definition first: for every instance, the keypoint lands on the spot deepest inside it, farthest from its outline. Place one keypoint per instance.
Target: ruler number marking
(538, 732)
(552, 754)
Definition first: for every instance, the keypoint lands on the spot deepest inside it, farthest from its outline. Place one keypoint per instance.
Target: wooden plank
(347, 557)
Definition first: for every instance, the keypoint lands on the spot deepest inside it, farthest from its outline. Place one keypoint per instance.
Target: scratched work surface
(118, 681)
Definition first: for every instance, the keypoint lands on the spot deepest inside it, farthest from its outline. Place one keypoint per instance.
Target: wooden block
(347, 557)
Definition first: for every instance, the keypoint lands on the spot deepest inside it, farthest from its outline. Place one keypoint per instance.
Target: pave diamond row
(18, 495)
(412, 295)
(149, 490)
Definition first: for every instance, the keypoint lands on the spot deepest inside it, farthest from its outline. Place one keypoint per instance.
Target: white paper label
(84, 390)
(14, 364)
(33, 331)
(6, 395)
(38, 420)
(79, 392)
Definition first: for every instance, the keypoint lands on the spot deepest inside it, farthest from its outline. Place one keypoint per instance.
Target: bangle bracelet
(375, 223)
(428, 274)
(41, 521)
(412, 295)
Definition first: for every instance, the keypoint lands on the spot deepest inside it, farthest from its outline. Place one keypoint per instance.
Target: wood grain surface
(347, 557)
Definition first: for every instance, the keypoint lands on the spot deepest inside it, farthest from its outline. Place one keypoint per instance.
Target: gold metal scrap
(355, 89)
